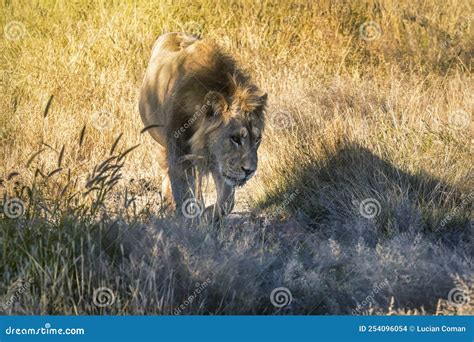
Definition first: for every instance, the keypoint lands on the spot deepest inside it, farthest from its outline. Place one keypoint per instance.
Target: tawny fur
(202, 103)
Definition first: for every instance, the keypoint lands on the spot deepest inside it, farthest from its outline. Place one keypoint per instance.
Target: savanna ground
(363, 199)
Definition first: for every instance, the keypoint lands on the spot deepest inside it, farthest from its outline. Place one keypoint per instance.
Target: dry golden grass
(350, 118)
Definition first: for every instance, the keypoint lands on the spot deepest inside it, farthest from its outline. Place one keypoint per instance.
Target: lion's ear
(216, 104)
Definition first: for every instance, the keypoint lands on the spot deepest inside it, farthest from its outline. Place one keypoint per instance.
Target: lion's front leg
(225, 200)
(182, 179)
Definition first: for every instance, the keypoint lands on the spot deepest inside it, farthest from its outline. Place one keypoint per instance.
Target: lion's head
(232, 132)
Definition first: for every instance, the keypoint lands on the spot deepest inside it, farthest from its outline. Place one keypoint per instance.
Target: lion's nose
(247, 171)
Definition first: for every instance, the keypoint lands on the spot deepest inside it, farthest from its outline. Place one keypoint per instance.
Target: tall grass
(370, 102)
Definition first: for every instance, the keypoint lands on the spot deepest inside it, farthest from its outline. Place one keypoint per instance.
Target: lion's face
(231, 132)
(235, 150)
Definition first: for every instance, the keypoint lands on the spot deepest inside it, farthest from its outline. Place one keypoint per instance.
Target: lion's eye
(235, 140)
(258, 140)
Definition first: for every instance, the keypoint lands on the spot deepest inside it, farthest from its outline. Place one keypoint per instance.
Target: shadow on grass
(337, 187)
(327, 254)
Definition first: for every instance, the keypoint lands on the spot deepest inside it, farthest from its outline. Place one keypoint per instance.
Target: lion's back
(182, 69)
(165, 69)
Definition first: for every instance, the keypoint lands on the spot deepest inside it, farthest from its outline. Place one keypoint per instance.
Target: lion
(207, 117)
